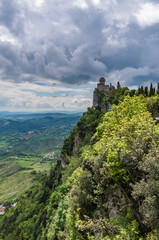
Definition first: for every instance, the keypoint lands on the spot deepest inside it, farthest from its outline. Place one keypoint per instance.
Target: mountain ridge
(106, 184)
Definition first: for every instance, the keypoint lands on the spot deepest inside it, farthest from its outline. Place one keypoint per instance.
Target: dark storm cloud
(9, 61)
(12, 17)
(77, 42)
(8, 12)
(151, 77)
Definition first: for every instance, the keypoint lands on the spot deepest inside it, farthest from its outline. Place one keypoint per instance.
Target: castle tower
(102, 81)
(101, 85)
(99, 92)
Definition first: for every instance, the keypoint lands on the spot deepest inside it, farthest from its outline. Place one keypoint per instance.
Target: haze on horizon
(53, 52)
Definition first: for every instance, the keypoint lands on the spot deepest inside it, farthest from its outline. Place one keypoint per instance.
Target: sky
(53, 52)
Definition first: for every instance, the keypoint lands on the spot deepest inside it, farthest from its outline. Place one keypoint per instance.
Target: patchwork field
(29, 150)
(17, 175)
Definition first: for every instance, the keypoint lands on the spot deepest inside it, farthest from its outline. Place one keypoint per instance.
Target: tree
(157, 88)
(148, 188)
(154, 90)
(151, 93)
(142, 90)
(153, 105)
(132, 92)
(123, 139)
(146, 91)
(22, 236)
(118, 85)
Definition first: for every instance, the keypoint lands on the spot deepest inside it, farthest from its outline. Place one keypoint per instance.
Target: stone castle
(102, 87)
(101, 90)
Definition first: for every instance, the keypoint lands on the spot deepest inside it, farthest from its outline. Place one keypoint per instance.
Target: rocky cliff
(101, 95)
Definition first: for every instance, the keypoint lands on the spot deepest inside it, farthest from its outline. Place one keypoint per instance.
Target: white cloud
(127, 75)
(31, 4)
(45, 43)
(28, 96)
(82, 101)
(6, 36)
(81, 4)
(115, 41)
(148, 14)
(96, 2)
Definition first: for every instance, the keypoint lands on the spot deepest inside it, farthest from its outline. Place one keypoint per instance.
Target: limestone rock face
(102, 92)
(77, 142)
(106, 107)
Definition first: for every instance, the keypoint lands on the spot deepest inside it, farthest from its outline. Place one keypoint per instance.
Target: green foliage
(157, 88)
(22, 236)
(109, 188)
(58, 222)
(69, 143)
(58, 213)
(83, 131)
(95, 226)
(74, 163)
(126, 135)
(118, 85)
(28, 219)
(146, 91)
(151, 93)
(88, 123)
(119, 94)
(148, 188)
(153, 105)
(152, 236)
(71, 230)
(127, 227)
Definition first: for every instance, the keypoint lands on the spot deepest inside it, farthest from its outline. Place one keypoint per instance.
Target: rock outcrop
(101, 95)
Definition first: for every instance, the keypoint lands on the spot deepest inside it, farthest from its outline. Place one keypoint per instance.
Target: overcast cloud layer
(49, 47)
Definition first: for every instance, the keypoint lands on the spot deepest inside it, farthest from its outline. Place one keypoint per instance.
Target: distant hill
(29, 122)
(6, 114)
(24, 141)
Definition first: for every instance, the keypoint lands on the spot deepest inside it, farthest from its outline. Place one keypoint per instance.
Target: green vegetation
(108, 189)
(25, 142)
(153, 105)
(112, 180)
(82, 132)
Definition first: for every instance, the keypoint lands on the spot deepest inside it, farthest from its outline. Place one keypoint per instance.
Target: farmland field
(30, 145)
